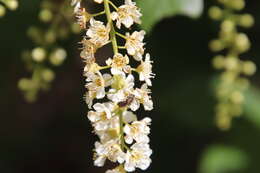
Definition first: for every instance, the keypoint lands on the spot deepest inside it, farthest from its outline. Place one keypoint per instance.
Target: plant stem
(112, 32)
(121, 35)
(113, 5)
(98, 14)
(115, 49)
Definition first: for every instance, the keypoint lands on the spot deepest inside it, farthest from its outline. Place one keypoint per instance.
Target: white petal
(129, 117)
(100, 161)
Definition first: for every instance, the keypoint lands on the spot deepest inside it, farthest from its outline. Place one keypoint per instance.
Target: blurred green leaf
(223, 159)
(252, 106)
(154, 10)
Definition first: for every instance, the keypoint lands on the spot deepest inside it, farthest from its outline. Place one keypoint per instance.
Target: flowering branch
(123, 138)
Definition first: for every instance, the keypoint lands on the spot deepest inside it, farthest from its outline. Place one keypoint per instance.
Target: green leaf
(223, 159)
(154, 10)
(252, 106)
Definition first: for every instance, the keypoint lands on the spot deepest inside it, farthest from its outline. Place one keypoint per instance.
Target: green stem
(104, 67)
(122, 140)
(98, 14)
(121, 35)
(112, 32)
(121, 47)
(113, 5)
(115, 49)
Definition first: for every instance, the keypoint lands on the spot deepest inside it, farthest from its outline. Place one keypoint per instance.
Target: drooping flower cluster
(232, 82)
(47, 53)
(123, 138)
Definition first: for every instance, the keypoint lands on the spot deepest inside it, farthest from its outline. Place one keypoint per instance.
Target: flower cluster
(232, 83)
(9, 4)
(123, 138)
(46, 54)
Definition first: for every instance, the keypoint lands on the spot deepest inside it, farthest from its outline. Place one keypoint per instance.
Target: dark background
(53, 134)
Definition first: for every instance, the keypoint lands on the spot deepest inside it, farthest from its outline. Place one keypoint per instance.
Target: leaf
(223, 159)
(252, 106)
(154, 10)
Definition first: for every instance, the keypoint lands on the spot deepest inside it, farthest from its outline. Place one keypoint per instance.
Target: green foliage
(251, 106)
(223, 159)
(154, 10)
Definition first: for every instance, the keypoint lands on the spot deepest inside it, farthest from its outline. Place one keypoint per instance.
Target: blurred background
(53, 134)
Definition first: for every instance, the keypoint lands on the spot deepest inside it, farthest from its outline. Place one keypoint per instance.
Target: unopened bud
(38, 54)
(215, 13)
(45, 15)
(246, 20)
(2, 10)
(216, 45)
(249, 68)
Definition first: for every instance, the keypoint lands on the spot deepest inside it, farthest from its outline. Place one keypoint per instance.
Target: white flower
(76, 4)
(119, 169)
(103, 119)
(98, 1)
(118, 64)
(145, 70)
(127, 14)
(129, 116)
(113, 171)
(122, 88)
(138, 157)
(142, 95)
(134, 44)
(91, 67)
(82, 17)
(102, 112)
(138, 131)
(89, 49)
(110, 150)
(98, 32)
(110, 133)
(96, 83)
(89, 97)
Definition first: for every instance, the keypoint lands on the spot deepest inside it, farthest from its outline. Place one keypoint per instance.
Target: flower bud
(231, 63)
(215, 13)
(38, 54)
(237, 97)
(242, 43)
(48, 75)
(12, 4)
(223, 121)
(218, 62)
(50, 36)
(58, 56)
(216, 45)
(227, 26)
(24, 84)
(248, 68)
(236, 4)
(246, 20)
(2, 10)
(45, 15)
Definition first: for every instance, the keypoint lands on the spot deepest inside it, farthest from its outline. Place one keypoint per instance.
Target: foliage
(154, 10)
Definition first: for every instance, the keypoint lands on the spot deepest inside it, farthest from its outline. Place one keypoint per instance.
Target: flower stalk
(112, 32)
